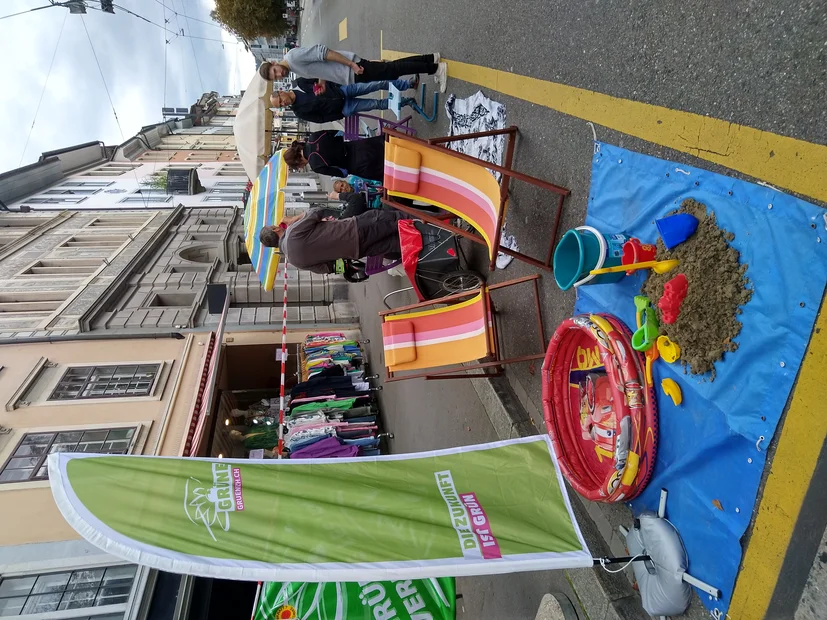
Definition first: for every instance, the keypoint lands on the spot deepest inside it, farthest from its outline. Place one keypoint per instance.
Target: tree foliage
(249, 19)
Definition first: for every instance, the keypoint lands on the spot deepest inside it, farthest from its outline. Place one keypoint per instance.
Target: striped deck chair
(440, 342)
(463, 185)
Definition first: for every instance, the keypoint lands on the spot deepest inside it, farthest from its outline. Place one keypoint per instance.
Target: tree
(155, 181)
(249, 19)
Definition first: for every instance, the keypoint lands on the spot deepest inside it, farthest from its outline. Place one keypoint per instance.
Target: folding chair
(442, 340)
(432, 173)
(353, 125)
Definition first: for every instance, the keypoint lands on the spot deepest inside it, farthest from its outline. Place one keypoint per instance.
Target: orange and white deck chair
(463, 185)
(440, 342)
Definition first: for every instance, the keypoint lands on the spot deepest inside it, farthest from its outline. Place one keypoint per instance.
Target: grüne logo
(211, 506)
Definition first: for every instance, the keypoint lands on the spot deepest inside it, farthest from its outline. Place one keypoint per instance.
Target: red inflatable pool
(600, 413)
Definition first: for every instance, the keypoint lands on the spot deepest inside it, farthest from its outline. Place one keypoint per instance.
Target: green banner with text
(485, 509)
(418, 599)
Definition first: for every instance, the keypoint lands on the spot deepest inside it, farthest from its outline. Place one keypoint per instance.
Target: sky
(75, 107)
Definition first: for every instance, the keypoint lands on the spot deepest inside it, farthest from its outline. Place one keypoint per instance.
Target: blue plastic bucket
(583, 249)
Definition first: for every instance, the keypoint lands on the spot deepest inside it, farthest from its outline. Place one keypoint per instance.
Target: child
(357, 185)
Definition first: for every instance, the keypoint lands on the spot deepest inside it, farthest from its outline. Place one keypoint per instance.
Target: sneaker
(436, 58)
(414, 83)
(508, 241)
(441, 76)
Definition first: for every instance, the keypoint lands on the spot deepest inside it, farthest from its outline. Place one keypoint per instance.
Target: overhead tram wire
(195, 19)
(43, 92)
(37, 8)
(177, 34)
(111, 103)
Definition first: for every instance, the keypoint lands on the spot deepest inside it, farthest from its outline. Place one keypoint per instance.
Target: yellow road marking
(795, 459)
(343, 29)
(781, 161)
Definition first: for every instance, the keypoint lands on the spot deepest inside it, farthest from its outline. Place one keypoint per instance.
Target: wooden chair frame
(507, 173)
(490, 368)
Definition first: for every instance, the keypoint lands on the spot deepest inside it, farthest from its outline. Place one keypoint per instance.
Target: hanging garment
(327, 448)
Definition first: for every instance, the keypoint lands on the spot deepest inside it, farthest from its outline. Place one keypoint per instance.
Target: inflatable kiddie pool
(600, 413)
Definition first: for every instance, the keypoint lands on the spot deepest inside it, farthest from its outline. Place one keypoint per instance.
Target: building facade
(108, 345)
(116, 396)
(75, 272)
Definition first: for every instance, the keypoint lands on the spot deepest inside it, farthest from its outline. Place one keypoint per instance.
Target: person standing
(341, 67)
(327, 153)
(330, 102)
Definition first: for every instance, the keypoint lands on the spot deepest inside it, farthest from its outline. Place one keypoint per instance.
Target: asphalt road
(752, 62)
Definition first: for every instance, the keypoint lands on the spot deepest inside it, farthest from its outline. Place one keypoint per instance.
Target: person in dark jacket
(327, 153)
(326, 102)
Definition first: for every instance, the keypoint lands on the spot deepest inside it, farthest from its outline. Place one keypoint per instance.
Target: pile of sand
(708, 320)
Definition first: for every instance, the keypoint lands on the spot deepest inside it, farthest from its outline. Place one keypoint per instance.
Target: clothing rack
(333, 412)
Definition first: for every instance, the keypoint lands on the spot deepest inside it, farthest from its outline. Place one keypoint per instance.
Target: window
(125, 380)
(119, 221)
(95, 241)
(231, 170)
(27, 221)
(157, 156)
(64, 266)
(88, 183)
(112, 169)
(78, 589)
(32, 301)
(206, 237)
(188, 269)
(87, 192)
(181, 166)
(55, 201)
(211, 221)
(222, 198)
(28, 461)
(145, 199)
(236, 185)
(171, 300)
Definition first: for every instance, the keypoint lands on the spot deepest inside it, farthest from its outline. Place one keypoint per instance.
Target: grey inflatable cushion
(662, 589)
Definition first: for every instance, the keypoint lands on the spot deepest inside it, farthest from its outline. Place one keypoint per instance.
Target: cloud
(75, 106)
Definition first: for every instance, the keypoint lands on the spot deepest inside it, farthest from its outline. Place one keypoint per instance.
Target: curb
(601, 595)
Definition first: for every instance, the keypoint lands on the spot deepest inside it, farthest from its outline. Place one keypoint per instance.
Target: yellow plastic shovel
(658, 266)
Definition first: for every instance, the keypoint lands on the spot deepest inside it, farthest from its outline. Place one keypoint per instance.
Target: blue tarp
(714, 445)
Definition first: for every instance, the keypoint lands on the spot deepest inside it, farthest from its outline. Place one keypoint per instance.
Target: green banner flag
(486, 509)
(420, 599)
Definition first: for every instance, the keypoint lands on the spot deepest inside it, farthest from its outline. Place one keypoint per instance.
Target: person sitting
(314, 242)
(342, 188)
(327, 153)
(324, 103)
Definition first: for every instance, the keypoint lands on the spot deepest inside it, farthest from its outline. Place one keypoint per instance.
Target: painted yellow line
(343, 29)
(795, 459)
(779, 160)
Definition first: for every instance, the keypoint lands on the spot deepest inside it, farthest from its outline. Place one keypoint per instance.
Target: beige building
(166, 393)
(110, 395)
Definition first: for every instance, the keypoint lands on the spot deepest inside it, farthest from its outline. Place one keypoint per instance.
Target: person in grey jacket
(314, 241)
(341, 67)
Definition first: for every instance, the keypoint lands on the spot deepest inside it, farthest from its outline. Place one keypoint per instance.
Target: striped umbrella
(265, 207)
